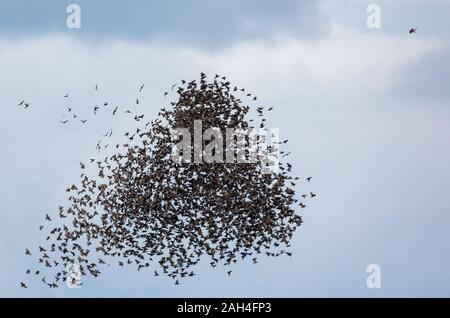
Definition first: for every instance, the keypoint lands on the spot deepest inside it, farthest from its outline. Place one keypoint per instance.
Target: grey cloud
(197, 22)
(427, 80)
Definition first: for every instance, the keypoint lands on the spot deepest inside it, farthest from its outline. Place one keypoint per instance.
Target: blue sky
(366, 112)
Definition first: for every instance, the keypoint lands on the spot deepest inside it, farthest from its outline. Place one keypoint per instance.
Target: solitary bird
(412, 30)
(309, 179)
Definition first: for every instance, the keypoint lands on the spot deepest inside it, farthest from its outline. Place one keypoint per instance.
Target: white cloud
(343, 62)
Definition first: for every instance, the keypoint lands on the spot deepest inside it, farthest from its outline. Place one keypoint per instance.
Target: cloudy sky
(366, 111)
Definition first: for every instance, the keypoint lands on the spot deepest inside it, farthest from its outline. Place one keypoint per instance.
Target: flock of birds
(143, 209)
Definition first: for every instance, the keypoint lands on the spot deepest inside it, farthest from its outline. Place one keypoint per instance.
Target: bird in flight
(27, 252)
(309, 179)
(142, 87)
(21, 103)
(165, 94)
(83, 121)
(22, 284)
(413, 30)
(27, 105)
(64, 121)
(66, 96)
(96, 87)
(115, 110)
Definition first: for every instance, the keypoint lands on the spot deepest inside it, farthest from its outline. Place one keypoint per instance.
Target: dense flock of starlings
(145, 210)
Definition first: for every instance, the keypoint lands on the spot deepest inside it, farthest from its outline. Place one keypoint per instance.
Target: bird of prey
(413, 30)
